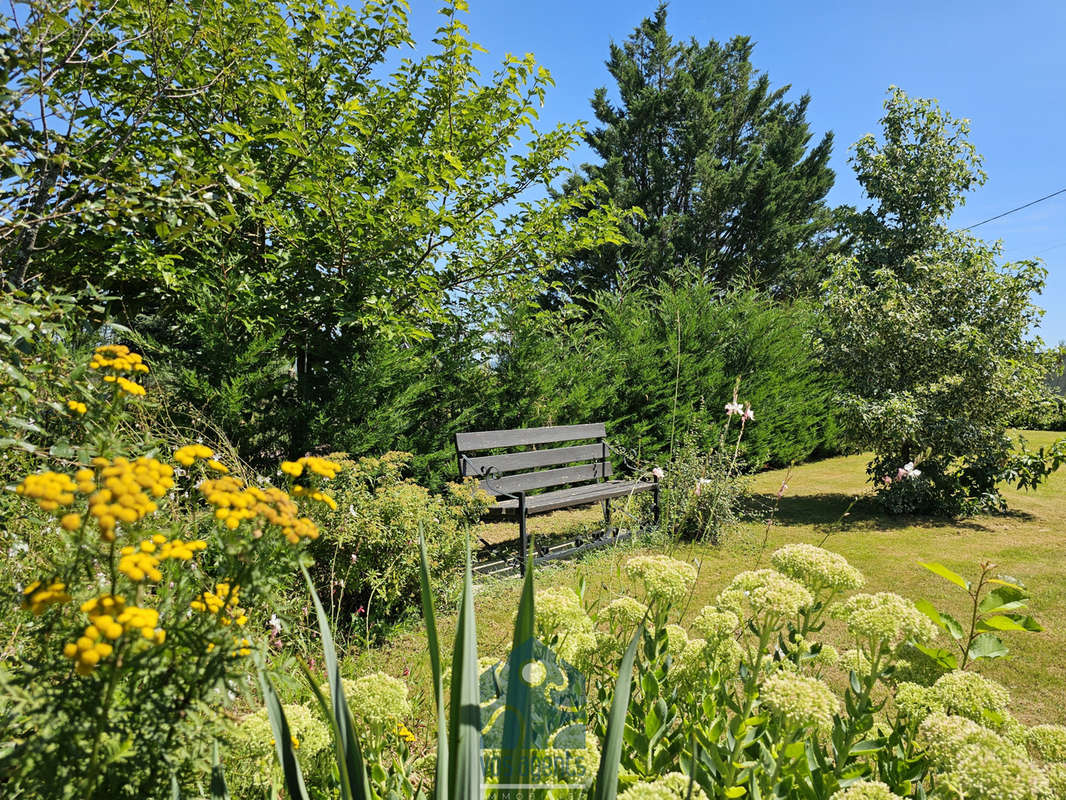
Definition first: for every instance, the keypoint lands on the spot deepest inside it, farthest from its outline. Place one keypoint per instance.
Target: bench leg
(655, 503)
(607, 517)
(523, 543)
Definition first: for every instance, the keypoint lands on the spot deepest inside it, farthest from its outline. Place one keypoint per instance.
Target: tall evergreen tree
(714, 163)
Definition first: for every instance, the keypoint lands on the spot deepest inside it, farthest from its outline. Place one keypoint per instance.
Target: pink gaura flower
(748, 413)
(658, 473)
(887, 479)
(733, 408)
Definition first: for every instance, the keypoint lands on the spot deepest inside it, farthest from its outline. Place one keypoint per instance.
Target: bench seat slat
(512, 462)
(518, 437)
(527, 481)
(578, 495)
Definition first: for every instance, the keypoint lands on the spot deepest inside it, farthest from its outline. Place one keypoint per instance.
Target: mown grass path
(1028, 543)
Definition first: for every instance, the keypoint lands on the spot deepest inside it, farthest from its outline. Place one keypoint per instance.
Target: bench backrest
(524, 469)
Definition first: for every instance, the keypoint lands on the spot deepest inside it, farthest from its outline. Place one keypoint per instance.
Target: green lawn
(1028, 543)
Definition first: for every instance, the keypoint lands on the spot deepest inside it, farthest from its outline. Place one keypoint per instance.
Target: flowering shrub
(367, 559)
(703, 489)
(746, 710)
(139, 615)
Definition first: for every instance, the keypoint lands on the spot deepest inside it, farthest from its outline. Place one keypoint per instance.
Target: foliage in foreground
(930, 335)
(279, 191)
(736, 699)
(138, 573)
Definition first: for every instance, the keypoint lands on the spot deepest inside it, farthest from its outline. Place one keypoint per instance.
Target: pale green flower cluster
(964, 694)
(885, 617)
(827, 656)
(378, 699)
(918, 702)
(979, 764)
(672, 786)
(1049, 742)
(866, 790)
(559, 610)
(647, 791)
(581, 647)
(1056, 775)
(690, 666)
(664, 578)
(766, 591)
(816, 568)
(855, 661)
(715, 624)
(253, 743)
(676, 639)
(803, 702)
(625, 613)
(970, 695)
(678, 783)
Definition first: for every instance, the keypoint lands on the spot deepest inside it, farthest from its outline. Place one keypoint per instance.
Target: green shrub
(367, 561)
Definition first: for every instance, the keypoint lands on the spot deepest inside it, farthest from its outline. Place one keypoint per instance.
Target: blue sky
(1001, 65)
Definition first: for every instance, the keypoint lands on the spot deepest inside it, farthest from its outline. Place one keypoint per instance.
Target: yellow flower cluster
(223, 603)
(315, 494)
(110, 618)
(242, 647)
(37, 597)
(235, 501)
(138, 563)
(320, 466)
(126, 385)
(50, 489)
(117, 358)
(187, 455)
(125, 496)
(77, 407)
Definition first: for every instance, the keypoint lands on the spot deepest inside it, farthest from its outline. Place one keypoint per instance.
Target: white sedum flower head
(766, 591)
(803, 702)
(866, 790)
(885, 617)
(378, 698)
(970, 695)
(647, 791)
(715, 624)
(918, 702)
(816, 568)
(625, 612)
(1048, 741)
(559, 611)
(664, 578)
(678, 783)
(676, 639)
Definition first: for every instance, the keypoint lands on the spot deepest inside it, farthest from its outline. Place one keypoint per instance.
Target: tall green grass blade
(606, 787)
(290, 767)
(519, 700)
(327, 712)
(219, 790)
(464, 731)
(175, 790)
(435, 665)
(347, 740)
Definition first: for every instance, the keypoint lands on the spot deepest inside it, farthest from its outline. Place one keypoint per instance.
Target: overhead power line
(1019, 208)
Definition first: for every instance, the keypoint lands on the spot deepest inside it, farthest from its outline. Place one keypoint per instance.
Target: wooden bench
(526, 469)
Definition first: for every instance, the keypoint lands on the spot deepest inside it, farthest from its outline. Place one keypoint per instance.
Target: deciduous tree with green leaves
(932, 333)
(715, 165)
(274, 179)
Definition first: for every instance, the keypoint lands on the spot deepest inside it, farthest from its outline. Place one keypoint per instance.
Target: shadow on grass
(835, 511)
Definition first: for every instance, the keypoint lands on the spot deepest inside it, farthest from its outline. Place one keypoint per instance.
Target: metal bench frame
(519, 474)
